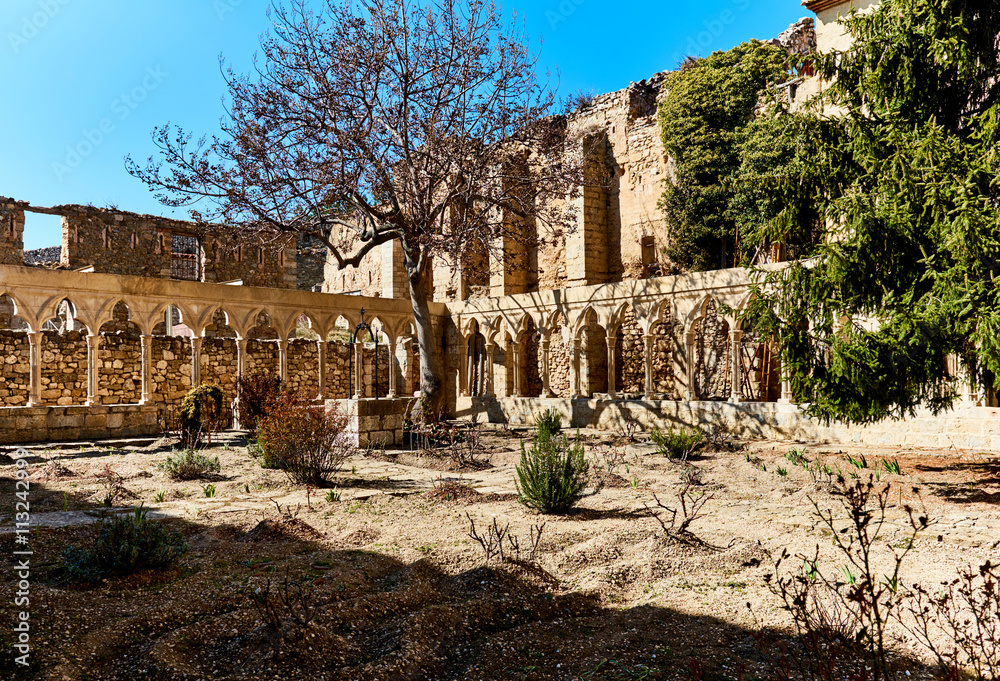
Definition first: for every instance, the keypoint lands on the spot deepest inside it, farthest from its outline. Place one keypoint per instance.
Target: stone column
(147, 369)
(392, 370)
(515, 350)
(283, 360)
(488, 384)
(786, 386)
(93, 373)
(196, 342)
(241, 357)
(735, 335)
(575, 390)
(546, 390)
(648, 361)
(611, 341)
(690, 340)
(35, 369)
(321, 347)
(463, 366)
(359, 365)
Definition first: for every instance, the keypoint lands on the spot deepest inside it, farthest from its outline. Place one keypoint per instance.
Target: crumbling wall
(11, 232)
(118, 242)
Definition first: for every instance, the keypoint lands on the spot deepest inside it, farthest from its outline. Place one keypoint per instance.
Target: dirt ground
(399, 590)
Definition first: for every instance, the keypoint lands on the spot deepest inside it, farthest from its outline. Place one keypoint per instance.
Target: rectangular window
(185, 257)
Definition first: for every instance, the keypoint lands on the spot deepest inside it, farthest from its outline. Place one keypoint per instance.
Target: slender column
(786, 386)
(515, 351)
(321, 347)
(283, 360)
(735, 335)
(463, 366)
(359, 364)
(392, 369)
(648, 361)
(488, 387)
(690, 341)
(241, 357)
(168, 321)
(147, 369)
(612, 338)
(35, 368)
(575, 389)
(93, 373)
(546, 390)
(196, 342)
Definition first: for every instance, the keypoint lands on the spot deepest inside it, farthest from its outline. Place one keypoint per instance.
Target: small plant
(285, 608)
(691, 503)
(160, 497)
(626, 430)
(263, 458)
(679, 444)
(783, 472)
(797, 457)
(310, 443)
(499, 542)
(190, 465)
(892, 467)
(552, 474)
(610, 458)
(209, 490)
(123, 545)
(333, 495)
(112, 485)
(548, 422)
(860, 463)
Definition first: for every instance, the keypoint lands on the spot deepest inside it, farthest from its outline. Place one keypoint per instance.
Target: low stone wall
(375, 422)
(67, 424)
(965, 428)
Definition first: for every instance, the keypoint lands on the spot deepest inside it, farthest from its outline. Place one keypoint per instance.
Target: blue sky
(85, 81)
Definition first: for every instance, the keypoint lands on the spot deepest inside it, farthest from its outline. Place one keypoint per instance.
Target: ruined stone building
(101, 336)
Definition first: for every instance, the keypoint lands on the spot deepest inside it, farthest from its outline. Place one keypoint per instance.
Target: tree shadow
(981, 481)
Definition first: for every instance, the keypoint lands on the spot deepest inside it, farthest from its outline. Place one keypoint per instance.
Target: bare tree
(376, 120)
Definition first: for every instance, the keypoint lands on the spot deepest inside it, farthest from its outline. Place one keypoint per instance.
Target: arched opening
(119, 359)
(593, 355)
(63, 358)
(630, 356)
(560, 355)
(760, 366)
(262, 348)
(665, 333)
(15, 378)
(531, 374)
(712, 356)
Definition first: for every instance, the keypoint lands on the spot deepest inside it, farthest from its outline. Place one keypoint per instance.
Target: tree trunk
(431, 383)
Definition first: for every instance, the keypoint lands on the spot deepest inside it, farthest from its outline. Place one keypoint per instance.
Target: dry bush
(499, 543)
(310, 443)
(691, 503)
(285, 609)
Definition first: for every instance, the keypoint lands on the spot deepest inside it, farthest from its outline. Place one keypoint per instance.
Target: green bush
(123, 545)
(200, 414)
(548, 422)
(190, 465)
(677, 444)
(552, 474)
(309, 442)
(265, 459)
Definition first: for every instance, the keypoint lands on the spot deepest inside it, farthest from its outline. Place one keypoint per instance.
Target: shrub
(256, 393)
(309, 443)
(200, 414)
(190, 465)
(677, 444)
(263, 458)
(123, 545)
(549, 422)
(552, 474)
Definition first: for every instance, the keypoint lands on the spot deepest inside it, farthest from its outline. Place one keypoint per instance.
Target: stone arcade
(136, 310)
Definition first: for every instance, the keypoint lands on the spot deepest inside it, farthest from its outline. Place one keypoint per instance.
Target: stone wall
(118, 242)
(11, 232)
(310, 263)
(14, 378)
(68, 424)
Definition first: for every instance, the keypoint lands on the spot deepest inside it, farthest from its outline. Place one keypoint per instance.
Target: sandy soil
(399, 590)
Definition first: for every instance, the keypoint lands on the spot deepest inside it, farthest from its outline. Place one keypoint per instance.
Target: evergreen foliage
(123, 545)
(552, 473)
(906, 181)
(190, 465)
(708, 103)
